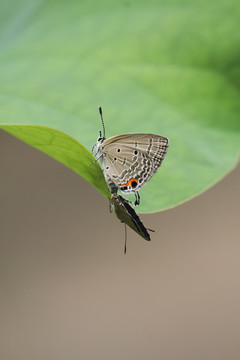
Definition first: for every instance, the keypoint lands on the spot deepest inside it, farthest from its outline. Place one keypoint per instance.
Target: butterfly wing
(130, 160)
(127, 215)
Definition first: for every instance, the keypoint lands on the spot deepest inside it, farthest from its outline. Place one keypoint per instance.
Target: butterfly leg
(93, 147)
(137, 201)
(96, 160)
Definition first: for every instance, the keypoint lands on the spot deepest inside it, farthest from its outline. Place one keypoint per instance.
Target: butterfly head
(100, 140)
(101, 137)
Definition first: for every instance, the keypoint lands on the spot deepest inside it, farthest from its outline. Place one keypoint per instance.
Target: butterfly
(130, 160)
(127, 215)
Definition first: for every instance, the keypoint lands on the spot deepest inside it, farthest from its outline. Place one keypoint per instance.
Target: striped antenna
(100, 111)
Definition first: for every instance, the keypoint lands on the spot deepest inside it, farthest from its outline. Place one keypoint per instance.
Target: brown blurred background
(68, 291)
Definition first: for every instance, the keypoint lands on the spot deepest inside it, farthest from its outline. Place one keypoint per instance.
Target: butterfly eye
(118, 150)
(135, 152)
(115, 159)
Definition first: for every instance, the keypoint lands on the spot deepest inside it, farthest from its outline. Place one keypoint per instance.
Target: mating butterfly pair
(129, 161)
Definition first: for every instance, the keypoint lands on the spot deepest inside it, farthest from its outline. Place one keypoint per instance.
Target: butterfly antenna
(100, 111)
(125, 245)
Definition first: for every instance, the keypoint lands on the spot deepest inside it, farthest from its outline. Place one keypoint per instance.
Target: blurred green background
(166, 67)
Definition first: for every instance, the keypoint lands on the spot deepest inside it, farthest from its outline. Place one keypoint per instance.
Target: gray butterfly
(130, 160)
(127, 215)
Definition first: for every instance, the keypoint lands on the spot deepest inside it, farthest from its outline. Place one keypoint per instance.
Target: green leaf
(63, 148)
(170, 68)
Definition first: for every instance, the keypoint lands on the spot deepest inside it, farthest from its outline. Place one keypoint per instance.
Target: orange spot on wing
(130, 182)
